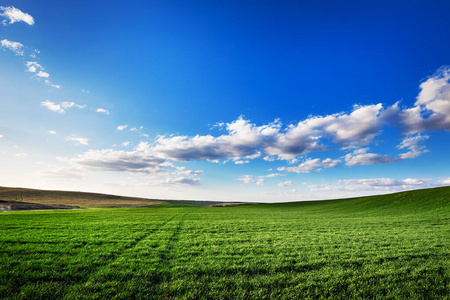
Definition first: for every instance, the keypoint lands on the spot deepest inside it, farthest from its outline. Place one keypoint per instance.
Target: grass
(388, 247)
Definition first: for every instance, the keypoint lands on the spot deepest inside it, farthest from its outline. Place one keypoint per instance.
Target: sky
(265, 101)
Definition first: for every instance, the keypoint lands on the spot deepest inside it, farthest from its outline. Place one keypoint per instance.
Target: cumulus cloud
(245, 140)
(61, 107)
(15, 47)
(77, 140)
(374, 184)
(412, 144)
(247, 179)
(312, 165)
(102, 110)
(432, 108)
(121, 127)
(362, 157)
(242, 141)
(14, 15)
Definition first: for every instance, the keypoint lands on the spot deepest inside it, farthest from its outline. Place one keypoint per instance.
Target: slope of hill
(81, 199)
(32, 199)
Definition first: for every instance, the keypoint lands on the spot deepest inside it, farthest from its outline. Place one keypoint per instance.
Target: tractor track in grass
(115, 256)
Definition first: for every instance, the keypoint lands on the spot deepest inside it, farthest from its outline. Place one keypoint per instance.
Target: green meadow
(393, 246)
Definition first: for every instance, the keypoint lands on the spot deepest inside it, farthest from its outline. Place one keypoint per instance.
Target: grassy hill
(22, 198)
(393, 246)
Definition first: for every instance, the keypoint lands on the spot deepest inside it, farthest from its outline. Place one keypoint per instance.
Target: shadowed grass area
(389, 246)
(22, 197)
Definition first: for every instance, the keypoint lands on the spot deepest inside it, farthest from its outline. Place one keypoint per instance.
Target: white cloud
(374, 184)
(122, 127)
(52, 132)
(412, 144)
(33, 66)
(1, 136)
(312, 165)
(43, 74)
(445, 181)
(361, 157)
(15, 15)
(22, 155)
(15, 47)
(120, 161)
(179, 181)
(62, 173)
(247, 179)
(102, 110)
(241, 162)
(245, 140)
(432, 108)
(272, 175)
(285, 184)
(55, 86)
(61, 107)
(124, 144)
(77, 140)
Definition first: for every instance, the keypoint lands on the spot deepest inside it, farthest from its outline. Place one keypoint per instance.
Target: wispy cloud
(120, 161)
(247, 179)
(33, 66)
(102, 110)
(63, 173)
(15, 47)
(362, 157)
(77, 140)
(179, 181)
(373, 184)
(312, 165)
(412, 144)
(14, 15)
(43, 74)
(61, 107)
(121, 127)
(22, 155)
(52, 132)
(285, 183)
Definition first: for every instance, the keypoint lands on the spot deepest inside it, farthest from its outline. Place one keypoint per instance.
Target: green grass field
(388, 247)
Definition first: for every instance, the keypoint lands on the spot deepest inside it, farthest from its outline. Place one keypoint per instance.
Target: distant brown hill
(64, 198)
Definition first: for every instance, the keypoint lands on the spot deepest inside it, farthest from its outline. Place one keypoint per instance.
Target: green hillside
(388, 247)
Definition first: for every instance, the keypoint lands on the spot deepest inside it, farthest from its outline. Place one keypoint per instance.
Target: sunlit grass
(392, 246)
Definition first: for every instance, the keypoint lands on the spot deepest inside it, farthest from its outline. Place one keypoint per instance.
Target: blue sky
(236, 100)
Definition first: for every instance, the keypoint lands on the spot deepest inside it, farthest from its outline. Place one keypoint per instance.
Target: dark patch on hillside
(15, 206)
